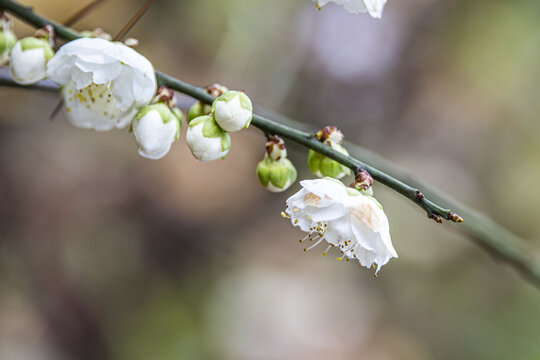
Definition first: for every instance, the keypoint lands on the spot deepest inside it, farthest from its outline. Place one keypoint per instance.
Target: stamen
(317, 243)
(326, 251)
(285, 215)
(305, 238)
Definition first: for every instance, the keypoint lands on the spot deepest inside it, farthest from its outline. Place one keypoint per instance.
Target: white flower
(206, 140)
(28, 60)
(103, 83)
(155, 128)
(233, 111)
(374, 7)
(345, 218)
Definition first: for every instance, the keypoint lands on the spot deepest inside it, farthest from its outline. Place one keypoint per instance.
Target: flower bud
(321, 165)
(7, 38)
(155, 128)
(276, 176)
(29, 57)
(233, 111)
(206, 140)
(276, 173)
(199, 108)
(97, 33)
(330, 135)
(362, 180)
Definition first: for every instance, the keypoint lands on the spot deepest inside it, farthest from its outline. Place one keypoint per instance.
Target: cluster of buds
(207, 135)
(275, 172)
(157, 126)
(29, 56)
(321, 165)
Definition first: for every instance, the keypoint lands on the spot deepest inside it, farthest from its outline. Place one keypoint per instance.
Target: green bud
(7, 38)
(198, 109)
(321, 165)
(276, 176)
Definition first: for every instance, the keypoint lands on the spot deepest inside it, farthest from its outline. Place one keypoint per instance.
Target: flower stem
(489, 235)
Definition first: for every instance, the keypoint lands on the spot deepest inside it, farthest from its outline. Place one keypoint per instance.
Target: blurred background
(106, 255)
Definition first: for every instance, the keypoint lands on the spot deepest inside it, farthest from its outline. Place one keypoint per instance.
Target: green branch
(488, 234)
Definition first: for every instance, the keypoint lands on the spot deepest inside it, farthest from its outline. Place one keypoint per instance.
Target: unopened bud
(275, 148)
(7, 37)
(97, 33)
(206, 140)
(156, 127)
(330, 134)
(29, 57)
(275, 172)
(233, 111)
(455, 217)
(363, 180)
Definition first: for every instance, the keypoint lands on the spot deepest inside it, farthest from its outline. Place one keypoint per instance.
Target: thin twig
(120, 36)
(484, 231)
(79, 14)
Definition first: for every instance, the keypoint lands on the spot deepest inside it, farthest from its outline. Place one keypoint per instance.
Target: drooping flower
(276, 173)
(345, 218)
(29, 56)
(206, 140)
(103, 83)
(233, 111)
(201, 109)
(157, 126)
(374, 7)
(7, 37)
(321, 165)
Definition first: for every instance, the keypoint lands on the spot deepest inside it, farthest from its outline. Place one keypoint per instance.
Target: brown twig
(79, 14)
(133, 21)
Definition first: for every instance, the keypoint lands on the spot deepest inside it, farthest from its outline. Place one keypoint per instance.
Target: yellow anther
(295, 209)
(295, 221)
(324, 253)
(339, 258)
(285, 215)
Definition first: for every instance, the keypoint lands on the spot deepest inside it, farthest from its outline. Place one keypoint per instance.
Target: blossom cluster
(209, 126)
(108, 85)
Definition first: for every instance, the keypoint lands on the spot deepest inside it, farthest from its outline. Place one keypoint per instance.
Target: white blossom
(206, 140)
(103, 83)
(345, 218)
(155, 128)
(233, 111)
(28, 60)
(374, 7)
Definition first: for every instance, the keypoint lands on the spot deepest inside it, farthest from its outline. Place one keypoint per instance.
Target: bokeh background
(106, 255)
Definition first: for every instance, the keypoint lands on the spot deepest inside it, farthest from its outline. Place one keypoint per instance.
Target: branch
(486, 233)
